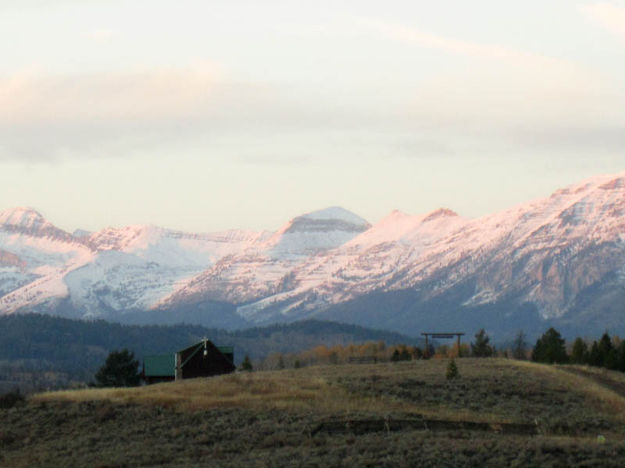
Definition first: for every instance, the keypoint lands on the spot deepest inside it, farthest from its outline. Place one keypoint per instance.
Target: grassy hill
(497, 413)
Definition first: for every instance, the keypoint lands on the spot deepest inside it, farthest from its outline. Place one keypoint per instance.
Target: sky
(204, 116)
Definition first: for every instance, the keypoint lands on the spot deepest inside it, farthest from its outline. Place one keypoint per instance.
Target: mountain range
(559, 261)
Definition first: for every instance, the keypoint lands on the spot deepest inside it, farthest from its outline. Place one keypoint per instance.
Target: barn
(201, 359)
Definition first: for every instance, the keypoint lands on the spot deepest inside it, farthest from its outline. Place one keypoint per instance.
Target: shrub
(246, 365)
(11, 399)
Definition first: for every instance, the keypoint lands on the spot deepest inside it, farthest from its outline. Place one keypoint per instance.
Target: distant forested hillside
(41, 351)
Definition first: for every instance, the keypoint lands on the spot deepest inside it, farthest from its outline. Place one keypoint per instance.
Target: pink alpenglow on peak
(544, 252)
(27, 218)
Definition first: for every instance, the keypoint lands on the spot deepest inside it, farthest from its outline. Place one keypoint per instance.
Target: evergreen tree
(452, 370)
(121, 369)
(297, 364)
(481, 348)
(246, 365)
(594, 357)
(395, 356)
(550, 348)
(404, 355)
(519, 346)
(607, 352)
(280, 362)
(579, 353)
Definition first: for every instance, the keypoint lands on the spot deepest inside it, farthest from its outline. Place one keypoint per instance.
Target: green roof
(160, 365)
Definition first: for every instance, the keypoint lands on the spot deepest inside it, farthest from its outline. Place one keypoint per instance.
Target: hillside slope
(357, 415)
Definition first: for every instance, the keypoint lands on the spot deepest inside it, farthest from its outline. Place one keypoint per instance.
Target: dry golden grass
(286, 389)
(318, 389)
(598, 395)
(313, 388)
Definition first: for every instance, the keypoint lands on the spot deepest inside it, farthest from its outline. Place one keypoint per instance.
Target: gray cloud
(573, 139)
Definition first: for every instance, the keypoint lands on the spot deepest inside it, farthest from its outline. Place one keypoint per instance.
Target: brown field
(497, 413)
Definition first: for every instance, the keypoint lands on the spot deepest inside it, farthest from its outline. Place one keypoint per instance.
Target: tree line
(607, 352)
(373, 352)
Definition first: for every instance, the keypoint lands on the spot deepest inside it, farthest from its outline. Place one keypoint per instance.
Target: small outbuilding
(202, 359)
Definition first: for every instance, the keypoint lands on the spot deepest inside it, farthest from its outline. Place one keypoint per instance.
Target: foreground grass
(267, 419)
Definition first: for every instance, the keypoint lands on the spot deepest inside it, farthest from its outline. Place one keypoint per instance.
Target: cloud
(477, 50)
(34, 97)
(103, 36)
(609, 16)
(503, 87)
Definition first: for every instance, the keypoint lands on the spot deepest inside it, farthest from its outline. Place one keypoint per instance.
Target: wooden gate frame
(445, 335)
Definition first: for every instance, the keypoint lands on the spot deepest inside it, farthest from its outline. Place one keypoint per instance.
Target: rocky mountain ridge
(548, 254)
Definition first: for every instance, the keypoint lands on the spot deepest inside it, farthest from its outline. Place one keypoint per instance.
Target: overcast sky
(207, 115)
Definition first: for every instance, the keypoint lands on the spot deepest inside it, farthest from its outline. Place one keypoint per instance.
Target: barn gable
(203, 359)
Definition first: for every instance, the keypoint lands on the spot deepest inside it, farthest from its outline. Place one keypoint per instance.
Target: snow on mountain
(26, 218)
(36, 257)
(547, 252)
(544, 252)
(362, 264)
(175, 248)
(264, 269)
(109, 270)
(315, 232)
(30, 222)
(138, 265)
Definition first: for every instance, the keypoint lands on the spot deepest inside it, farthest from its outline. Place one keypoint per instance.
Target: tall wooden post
(178, 366)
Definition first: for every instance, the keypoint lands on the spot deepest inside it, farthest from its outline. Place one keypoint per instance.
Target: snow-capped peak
(440, 213)
(23, 217)
(336, 213)
(315, 232)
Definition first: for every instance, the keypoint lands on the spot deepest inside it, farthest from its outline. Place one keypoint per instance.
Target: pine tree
(481, 348)
(395, 356)
(246, 365)
(280, 362)
(452, 370)
(579, 353)
(594, 357)
(550, 348)
(607, 352)
(121, 369)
